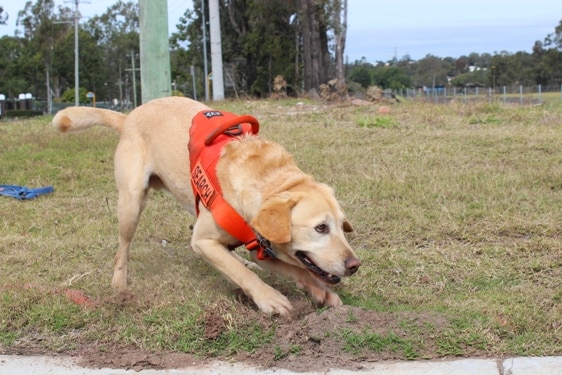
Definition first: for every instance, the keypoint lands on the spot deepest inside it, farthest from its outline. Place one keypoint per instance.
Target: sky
(379, 30)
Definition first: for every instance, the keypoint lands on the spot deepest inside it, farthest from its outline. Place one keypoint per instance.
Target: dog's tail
(80, 118)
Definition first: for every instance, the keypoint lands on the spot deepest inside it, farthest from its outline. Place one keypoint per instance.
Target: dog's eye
(322, 228)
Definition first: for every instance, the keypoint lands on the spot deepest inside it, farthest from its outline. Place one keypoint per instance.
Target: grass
(357, 342)
(456, 208)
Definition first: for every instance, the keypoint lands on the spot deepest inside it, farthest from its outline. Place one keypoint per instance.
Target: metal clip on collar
(265, 246)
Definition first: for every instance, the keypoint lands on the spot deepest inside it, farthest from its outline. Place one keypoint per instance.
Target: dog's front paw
(331, 299)
(273, 302)
(320, 294)
(325, 297)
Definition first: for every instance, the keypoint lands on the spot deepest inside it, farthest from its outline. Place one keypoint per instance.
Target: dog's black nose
(352, 265)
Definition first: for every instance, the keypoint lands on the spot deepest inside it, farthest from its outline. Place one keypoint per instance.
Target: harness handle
(230, 123)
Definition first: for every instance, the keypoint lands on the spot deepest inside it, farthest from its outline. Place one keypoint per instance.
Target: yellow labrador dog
(300, 217)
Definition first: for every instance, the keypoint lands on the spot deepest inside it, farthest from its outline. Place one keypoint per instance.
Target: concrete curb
(39, 365)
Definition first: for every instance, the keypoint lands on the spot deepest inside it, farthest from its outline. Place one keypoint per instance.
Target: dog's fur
(259, 179)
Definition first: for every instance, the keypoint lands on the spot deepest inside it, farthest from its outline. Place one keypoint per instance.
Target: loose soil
(311, 340)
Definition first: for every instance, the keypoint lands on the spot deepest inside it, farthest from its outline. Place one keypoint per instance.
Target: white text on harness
(203, 185)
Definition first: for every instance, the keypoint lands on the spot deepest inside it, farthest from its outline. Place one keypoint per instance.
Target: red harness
(210, 131)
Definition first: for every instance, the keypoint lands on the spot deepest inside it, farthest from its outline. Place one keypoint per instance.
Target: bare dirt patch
(319, 340)
(312, 340)
(136, 359)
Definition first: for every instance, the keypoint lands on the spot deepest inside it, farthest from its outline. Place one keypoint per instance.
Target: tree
(265, 38)
(68, 95)
(257, 39)
(504, 70)
(339, 14)
(117, 34)
(316, 57)
(558, 35)
(432, 71)
(407, 65)
(90, 63)
(462, 65)
(268, 45)
(544, 65)
(476, 78)
(554, 39)
(43, 29)
(13, 82)
(3, 16)
(361, 75)
(390, 77)
(181, 59)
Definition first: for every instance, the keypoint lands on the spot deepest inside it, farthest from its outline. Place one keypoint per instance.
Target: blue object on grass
(23, 192)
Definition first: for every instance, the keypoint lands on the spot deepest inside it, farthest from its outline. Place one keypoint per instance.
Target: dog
(299, 218)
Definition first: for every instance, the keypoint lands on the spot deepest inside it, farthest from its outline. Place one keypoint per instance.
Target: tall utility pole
(76, 59)
(205, 68)
(216, 50)
(134, 70)
(154, 50)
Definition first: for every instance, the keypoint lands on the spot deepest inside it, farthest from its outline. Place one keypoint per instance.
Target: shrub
(19, 113)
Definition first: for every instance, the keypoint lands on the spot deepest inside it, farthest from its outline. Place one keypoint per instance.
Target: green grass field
(457, 210)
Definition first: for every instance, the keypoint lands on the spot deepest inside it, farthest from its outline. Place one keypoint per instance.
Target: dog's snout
(352, 265)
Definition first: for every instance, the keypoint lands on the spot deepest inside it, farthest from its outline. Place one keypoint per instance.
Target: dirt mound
(339, 338)
(312, 340)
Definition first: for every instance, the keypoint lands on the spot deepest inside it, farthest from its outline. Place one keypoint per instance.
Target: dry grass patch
(457, 213)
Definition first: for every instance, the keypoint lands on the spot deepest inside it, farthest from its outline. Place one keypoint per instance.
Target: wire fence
(505, 94)
(516, 95)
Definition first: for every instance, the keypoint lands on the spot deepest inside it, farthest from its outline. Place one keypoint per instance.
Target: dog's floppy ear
(273, 220)
(347, 227)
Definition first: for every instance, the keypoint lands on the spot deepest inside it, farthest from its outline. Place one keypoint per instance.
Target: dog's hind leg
(132, 183)
(130, 207)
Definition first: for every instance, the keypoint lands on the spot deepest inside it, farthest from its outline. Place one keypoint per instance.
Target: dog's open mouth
(326, 277)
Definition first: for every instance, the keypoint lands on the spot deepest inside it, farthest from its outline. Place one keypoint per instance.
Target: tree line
(261, 40)
(502, 69)
(301, 40)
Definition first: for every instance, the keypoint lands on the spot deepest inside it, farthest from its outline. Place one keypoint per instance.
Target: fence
(42, 105)
(513, 94)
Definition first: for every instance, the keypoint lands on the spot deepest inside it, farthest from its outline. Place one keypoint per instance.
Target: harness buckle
(263, 248)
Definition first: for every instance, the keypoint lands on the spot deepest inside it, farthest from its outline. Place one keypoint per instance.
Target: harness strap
(225, 216)
(232, 223)
(203, 160)
(227, 125)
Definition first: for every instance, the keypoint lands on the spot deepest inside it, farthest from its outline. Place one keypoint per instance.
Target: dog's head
(307, 224)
